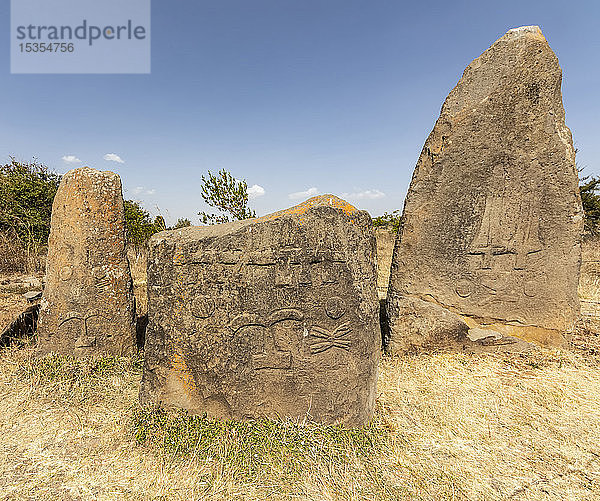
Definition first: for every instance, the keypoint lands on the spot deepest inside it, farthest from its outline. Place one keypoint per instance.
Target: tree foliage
(226, 194)
(26, 194)
(589, 189)
(139, 226)
(391, 221)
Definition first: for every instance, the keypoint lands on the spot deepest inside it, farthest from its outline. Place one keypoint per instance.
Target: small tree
(589, 188)
(226, 194)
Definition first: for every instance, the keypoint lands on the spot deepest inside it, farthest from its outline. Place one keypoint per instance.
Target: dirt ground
(12, 302)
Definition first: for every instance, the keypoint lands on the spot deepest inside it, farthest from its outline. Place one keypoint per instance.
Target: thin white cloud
(255, 191)
(311, 192)
(71, 159)
(113, 157)
(365, 195)
(140, 190)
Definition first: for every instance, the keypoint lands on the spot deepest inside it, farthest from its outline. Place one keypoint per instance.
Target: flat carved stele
(276, 316)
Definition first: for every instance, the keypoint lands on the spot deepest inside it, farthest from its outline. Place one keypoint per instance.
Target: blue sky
(330, 96)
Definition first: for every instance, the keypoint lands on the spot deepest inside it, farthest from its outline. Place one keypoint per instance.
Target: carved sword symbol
(330, 339)
(500, 234)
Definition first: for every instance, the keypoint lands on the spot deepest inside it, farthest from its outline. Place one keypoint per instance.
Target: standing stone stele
(489, 250)
(275, 316)
(87, 307)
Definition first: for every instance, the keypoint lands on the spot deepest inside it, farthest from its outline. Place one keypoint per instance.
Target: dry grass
(11, 305)
(16, 257)
(447, 426)
(587, 334)
(589, 282)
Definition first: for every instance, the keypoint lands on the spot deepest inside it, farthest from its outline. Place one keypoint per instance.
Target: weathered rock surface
(275, 316)
(493, 217)
(87, 307)
(385, 238)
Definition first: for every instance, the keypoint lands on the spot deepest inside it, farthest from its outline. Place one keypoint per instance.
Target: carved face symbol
(84, 330)
(271, 357)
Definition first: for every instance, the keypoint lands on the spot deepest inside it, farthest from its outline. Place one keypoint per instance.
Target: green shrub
(391, 221)
(181, 223)
(26, 194)
(139, 226)
(589, 188)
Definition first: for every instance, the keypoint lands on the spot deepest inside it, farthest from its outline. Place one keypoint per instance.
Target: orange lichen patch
(321, 200)
(183, 373)
(179, 259)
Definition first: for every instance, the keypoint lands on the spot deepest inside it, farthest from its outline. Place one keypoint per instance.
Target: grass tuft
(251, 447)
(55, 368)
(65, 378)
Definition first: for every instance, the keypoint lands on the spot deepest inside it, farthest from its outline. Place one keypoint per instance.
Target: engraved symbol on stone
(334, 307)
(102, 280)
(464, 288)
(330, 339)
(291, 268)
(530, 288)
(284, 275)
(504, 230)
(527, 237)
(66, 272)
(84, 329)
(328, 274)
(98, 272)
(203, 307)
(272, 356)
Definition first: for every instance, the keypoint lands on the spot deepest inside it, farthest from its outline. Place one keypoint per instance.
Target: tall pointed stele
(489, 250)
(269, 317)
(87, 308)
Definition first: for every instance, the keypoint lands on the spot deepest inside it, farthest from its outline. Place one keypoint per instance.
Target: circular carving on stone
(464, 288)
(530, 288)
(334, 307)
(203, 307)
(66, 272)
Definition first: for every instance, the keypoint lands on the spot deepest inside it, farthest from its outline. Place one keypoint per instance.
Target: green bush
(139, 226)
(26, 194)
(391, 221)
(589, 188)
